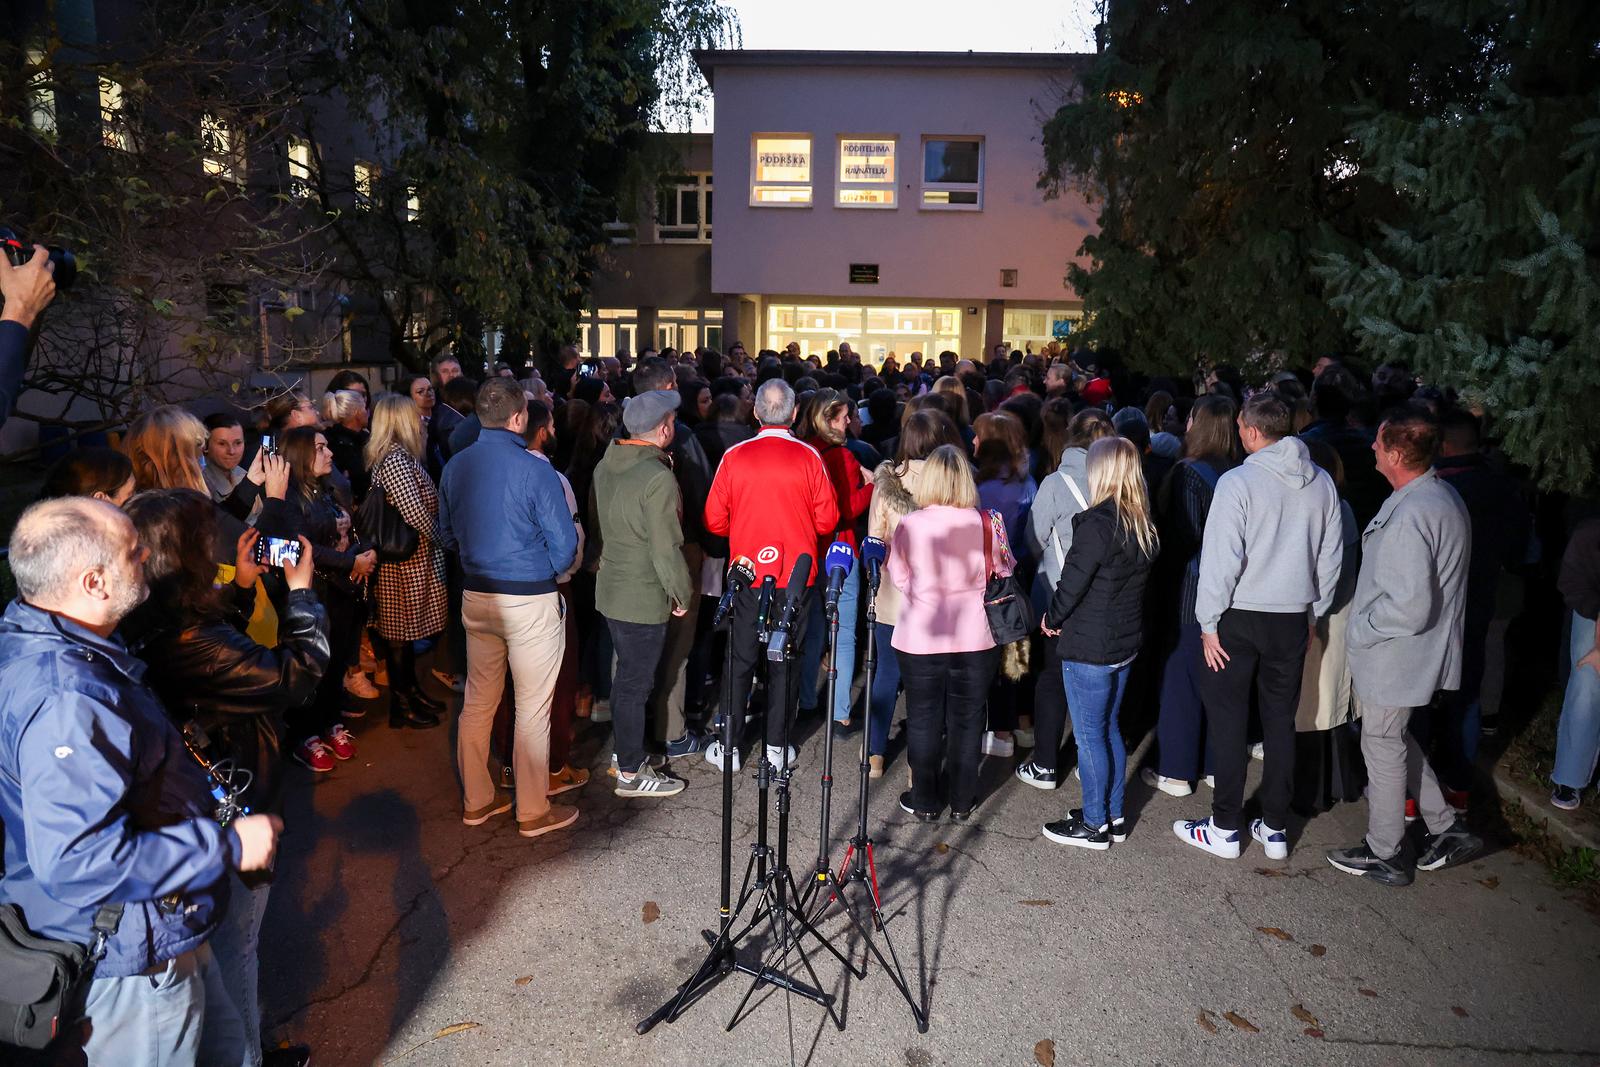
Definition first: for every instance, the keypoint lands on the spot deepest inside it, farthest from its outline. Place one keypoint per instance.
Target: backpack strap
(106, 921)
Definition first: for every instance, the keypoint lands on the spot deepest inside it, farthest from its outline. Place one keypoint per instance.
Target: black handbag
(380, 526)
(42, 981)
(1010, 613)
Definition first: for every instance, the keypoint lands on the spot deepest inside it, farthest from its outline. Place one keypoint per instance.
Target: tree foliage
(1490, 278)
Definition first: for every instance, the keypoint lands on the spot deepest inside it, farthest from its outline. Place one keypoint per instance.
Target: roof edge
(711, 58)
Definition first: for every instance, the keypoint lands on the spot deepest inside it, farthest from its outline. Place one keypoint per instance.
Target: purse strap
(988, 544)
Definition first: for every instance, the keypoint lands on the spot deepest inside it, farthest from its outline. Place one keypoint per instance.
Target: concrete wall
(920, 253)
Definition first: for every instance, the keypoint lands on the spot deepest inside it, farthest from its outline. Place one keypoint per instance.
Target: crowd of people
(1304, 570)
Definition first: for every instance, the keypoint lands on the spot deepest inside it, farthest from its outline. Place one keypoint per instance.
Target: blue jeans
(1094, 699)
(235, 943)
(1578, 739)
(1181, 749)
(844, 655)
(885, 691)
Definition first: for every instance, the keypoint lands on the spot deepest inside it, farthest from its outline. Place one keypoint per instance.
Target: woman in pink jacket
(947, 655)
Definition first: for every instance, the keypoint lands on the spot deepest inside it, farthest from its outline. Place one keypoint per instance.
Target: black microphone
(741, 574)
(837, 563)
(764, 603)
(778, 642)
(873, 553)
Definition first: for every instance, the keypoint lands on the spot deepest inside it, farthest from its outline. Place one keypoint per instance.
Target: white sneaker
(775, 756)
(601, 711)
(1276, 842)
(648, 782)
(655, 759)
(995, 745)
(714, 755)
(1258, 751)
(1173, 787)
(1210, 781)
(1202, 835)
(360, 686)
(1023, 738)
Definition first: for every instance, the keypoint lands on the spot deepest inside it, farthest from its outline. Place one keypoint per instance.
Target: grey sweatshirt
(1050, 518)
(1273, 538)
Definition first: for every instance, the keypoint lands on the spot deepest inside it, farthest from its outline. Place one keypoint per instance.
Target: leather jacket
(211, 671)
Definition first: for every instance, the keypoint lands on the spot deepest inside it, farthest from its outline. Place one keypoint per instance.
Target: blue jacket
(100, 800)
(13, 363)
(505, 513)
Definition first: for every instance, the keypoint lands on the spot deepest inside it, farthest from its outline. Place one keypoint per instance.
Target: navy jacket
(100, 800)
(504, 512)
(13, 363)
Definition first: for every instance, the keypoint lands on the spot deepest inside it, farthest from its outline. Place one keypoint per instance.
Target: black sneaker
(962, 816)
(845, 727)
(690, 743)
(1361, 860)
(920, 816)
(1453, 846)
(1117, 829)
(1073, 831)
(1039, 777)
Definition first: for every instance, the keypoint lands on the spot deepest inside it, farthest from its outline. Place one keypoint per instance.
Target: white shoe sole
(649, 794)
(1077, 842)
(1274, 851)
(551, 828)
(1173, 787)
(500, 809)
(1047, 786)
(1182, 834)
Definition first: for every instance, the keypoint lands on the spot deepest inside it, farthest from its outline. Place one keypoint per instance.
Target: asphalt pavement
(397, 935)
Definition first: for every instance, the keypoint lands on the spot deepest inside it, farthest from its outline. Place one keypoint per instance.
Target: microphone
(764, 603)
(741, 575)
(873, 554)
(837, 563)
(778, 641)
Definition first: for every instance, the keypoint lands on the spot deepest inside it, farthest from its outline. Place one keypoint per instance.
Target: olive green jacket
(642, 574)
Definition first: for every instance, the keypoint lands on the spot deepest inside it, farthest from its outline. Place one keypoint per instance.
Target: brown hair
(923, 432)
(299, 449)
(1268, 414)
(1155, 409)
(817, 412)
(1055, 417)
(1002, 450)
(1087, 427)
(178, 527)
(1326, 456)
(164, 447)
(1211, 433)
(1413, 432)
(951, 387)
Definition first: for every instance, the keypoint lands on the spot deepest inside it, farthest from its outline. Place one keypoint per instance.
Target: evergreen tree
(1490, 278)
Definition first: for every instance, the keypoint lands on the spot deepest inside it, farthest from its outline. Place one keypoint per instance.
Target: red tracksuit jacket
(772, 498)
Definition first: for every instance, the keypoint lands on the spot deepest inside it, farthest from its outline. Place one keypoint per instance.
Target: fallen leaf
(1490, 882)
(524, 980)
(1272, 872)
(1240, 1022)
(1367, 992)
(456, 1029)
(1312, 1031)
(941, 848)
(1299, 1012)
(1204, 1019)
(1460, 1011)
(1044, 1053)
(652, 911)
(1037, 903)
(1273, 931)
(1318, 950)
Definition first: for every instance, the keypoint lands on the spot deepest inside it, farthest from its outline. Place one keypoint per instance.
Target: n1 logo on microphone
(839, 557)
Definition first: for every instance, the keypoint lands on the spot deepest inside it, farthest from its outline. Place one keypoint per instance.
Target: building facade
(889, 200)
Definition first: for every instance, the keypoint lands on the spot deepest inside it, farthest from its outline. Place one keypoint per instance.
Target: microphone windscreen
(873, 550)
(800, 577)
(839, 557)
(742, 570)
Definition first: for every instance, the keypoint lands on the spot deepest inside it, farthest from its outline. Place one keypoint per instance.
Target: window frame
(112, 98)
(699, 183)
(227, 162)
(756, 185)
(43, 114)
(364, 198)
(951, 187)
(301, 176)
(841, 185)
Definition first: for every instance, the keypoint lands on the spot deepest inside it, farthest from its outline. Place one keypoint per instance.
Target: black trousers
(639, 646)
(945, 712)
(1049, 706)
(1267, 652)
(749, 652)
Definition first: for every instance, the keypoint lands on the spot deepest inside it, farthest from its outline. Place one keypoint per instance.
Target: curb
(1538, 808)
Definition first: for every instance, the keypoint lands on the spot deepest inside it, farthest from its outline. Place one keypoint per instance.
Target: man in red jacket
(771, 498)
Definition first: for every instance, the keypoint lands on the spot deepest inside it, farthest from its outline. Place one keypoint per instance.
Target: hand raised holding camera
(298, 574)
(245, 568)
(27, 289)
(276, 469)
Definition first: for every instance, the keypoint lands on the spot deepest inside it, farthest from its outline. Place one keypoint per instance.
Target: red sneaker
(314, 754)
(1456, 798)
(1411, 810)
(341, 742)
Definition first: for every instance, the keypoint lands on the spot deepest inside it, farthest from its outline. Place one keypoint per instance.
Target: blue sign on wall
(1061, 329)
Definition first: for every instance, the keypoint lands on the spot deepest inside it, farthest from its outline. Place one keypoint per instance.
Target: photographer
(27, 291)
(101, 803)
(236, 690)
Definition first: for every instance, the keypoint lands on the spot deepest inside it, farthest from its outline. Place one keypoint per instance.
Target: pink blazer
(936, 560)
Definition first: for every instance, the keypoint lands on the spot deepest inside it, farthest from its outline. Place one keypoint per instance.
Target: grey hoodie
(1273, 538)
(1050, 519)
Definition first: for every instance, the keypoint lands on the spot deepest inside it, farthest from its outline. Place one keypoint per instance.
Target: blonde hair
(1115, 474)
(341, 404)
(951, 386)
(164, 447)
(824, 407)
(946, 480)
(396, 422)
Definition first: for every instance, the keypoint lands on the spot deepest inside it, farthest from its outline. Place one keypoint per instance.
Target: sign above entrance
(1061, 329)
(863, 274)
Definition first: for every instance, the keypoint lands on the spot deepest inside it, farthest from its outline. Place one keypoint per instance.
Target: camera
(19, 252)
(269, 447)
(277, 552)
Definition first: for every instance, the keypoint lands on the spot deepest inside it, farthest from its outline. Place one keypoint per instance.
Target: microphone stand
(858, 867)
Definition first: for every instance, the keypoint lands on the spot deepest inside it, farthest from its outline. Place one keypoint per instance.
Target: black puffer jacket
(1099, 602)
(211, 671)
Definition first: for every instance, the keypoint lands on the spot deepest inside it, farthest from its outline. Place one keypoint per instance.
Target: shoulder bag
(42, 981)
(380, 526)
(1010, 614)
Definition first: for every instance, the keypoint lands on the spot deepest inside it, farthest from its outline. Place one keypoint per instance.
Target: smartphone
(277, 552)
(586, 370)
(269, 447)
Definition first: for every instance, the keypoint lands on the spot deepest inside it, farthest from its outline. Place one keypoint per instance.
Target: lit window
(866, 172)
(219, 147)
(41, 94)
(782, 171)
(365, 178)
(413, 204)
(683, 208)
(113, 116)
(952, 173)
(299, 168)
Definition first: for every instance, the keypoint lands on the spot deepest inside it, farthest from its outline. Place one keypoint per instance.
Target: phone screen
(277, 552)
(267, 444)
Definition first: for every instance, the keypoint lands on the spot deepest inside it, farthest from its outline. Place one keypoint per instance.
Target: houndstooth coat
(412, 603)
